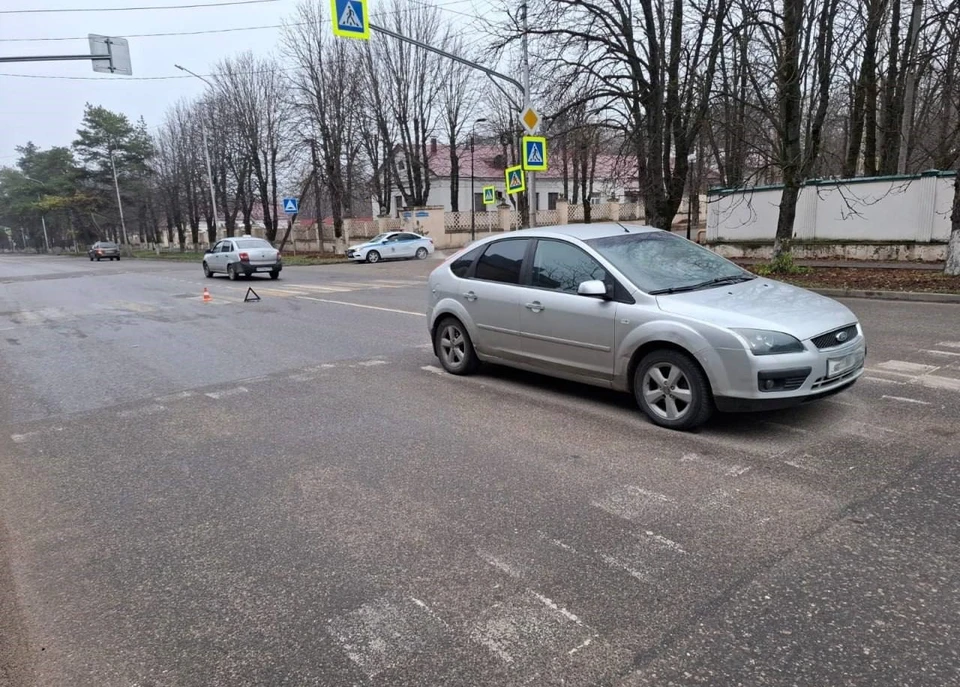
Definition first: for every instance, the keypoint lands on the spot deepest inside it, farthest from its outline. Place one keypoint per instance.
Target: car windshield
(380, 237)
(660, 262)
(253, 243)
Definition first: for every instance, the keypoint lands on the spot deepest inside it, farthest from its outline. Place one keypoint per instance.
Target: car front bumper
(770, 382)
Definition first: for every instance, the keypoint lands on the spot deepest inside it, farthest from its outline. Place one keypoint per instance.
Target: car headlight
(763, 342)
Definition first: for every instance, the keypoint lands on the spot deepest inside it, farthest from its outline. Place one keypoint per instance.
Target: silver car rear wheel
(454, 348)
(672, 390)
(421, 253)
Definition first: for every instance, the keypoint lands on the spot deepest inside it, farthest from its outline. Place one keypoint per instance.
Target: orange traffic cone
(206, 295)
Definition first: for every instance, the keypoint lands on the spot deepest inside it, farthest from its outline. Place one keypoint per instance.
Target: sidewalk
(863, 264)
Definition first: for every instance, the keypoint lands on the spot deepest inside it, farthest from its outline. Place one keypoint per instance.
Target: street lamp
(691, 158)
(43, 221)
(473, 198)
(206, 152)
(116, 187)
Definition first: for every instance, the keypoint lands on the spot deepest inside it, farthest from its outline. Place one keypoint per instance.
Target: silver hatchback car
(643, 311)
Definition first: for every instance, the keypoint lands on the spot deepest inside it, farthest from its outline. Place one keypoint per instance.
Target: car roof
(584, 232)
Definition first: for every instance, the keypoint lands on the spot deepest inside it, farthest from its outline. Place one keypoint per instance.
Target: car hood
(361, 246)
(761, 304)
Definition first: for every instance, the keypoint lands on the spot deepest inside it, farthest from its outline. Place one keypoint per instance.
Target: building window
(398, 204)
(478, 205)
(552, 201)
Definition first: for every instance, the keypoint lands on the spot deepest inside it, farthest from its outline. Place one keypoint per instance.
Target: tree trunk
(910, 86)
(790, 97)
(953, 248)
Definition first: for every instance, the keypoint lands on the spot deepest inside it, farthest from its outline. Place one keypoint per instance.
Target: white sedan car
(393, 244)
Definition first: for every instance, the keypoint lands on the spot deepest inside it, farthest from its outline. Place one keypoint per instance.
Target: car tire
(91, 258)
(275, 275)
(98, 259)
(422, 253)
(118, 258)
(454, 347)
(232, 273)
(672, 390)
(373, 257)
(206, 270)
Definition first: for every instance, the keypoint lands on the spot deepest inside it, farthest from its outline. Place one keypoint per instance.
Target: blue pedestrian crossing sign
(535, 153)
(350, 19)
(291, 206)
(489, 195)
(516, 179)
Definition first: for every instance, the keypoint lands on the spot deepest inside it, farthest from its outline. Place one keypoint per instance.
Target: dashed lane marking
(933, 351)
(226, 393)
(151, 409)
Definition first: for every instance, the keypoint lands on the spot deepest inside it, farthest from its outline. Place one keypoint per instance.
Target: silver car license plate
(264, 269)
(837, 366)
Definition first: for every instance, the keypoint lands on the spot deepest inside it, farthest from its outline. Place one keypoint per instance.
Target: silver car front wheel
(672, 390)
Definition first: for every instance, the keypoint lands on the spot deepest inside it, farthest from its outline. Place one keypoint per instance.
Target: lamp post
(206, 152)
(690, 198)
(473, 198)
(43, 221)
(116, 186)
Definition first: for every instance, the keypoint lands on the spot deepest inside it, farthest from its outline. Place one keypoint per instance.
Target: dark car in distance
(104, 249)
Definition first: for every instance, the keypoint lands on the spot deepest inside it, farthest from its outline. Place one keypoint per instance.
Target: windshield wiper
(716, 281)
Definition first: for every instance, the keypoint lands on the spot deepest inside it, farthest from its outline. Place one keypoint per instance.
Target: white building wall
(885, 209)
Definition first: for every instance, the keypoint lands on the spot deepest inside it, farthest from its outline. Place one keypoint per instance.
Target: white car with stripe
(392, 245)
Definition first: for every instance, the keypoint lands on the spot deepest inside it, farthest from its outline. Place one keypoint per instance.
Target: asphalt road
(291, 492)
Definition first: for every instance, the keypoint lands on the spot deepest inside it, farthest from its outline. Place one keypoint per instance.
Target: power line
(137, 9)
(149, 35)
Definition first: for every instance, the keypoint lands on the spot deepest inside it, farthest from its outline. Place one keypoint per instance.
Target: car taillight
(279, 257)
(244, 257)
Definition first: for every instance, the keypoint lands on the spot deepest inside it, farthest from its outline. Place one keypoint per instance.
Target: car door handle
(470, 296)
(536, 306)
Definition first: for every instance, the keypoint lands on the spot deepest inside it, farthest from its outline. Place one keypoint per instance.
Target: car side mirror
(208, 251)
(593, 288)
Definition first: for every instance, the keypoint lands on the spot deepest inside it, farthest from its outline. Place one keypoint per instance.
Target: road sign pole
(532, 176)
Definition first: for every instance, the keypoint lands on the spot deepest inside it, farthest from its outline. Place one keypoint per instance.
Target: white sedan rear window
(253, 243)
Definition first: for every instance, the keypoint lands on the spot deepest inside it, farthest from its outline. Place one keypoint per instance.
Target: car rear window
(502, 261)
(253, 243)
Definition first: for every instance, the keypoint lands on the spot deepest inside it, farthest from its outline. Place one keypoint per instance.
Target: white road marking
(639, 575)
(885, 381)
(904, 367)
(950, 344)
(789, 428)
(175, 397)
(668, 543)
(584, 645)
(151, 409)
(362, 305)
(7, 329)
(371, 363)
(904, 399)
(303, 377)
(500, 565)
(936, 352)
(227, 392)
(27, 436)
(560, 609)
(632, 503)
(434, 369)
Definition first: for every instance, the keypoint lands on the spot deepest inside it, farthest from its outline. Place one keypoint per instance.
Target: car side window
(409, 237)
(502, 260)
(226, 247)
(563, 267)
(461, 265)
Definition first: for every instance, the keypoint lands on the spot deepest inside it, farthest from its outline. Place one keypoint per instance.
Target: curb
(913, 296)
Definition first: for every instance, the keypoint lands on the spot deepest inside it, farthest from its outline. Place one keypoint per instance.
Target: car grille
(824, 381)
(830, 340)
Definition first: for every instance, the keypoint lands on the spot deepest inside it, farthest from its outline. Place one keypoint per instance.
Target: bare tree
(325, 97)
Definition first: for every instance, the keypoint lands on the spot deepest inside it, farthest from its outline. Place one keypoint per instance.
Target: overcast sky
(48, 111)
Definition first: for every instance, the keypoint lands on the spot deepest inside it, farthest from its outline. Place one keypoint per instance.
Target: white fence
(909, 209)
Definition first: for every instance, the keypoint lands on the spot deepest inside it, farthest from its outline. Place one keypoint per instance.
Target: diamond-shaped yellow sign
(530, 119)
